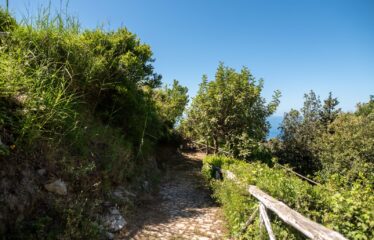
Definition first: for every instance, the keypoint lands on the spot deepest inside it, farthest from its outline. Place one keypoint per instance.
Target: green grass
(348, 211)
(76, 102)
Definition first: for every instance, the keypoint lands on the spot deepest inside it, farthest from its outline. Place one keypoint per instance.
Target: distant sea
(275, 122)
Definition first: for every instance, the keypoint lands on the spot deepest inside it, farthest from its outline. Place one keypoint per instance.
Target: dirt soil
(182, 208)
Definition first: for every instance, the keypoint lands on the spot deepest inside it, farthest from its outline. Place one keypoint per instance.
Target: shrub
(337, 208)
(79, 103)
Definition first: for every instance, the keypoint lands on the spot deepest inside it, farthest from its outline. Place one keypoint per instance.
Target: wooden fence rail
(309, 228)
(3, 34)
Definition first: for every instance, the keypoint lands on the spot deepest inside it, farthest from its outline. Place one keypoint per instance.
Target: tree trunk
(215, 143)
(207, 146)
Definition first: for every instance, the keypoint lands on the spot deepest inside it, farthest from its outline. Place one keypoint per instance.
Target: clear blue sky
(295, 45)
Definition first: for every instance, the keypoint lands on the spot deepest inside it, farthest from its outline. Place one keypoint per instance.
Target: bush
(81, 104)
(230, 113)
(336, 208)
(347, 148)
(7, 22)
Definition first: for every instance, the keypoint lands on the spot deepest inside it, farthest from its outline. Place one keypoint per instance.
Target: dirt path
(182, 209)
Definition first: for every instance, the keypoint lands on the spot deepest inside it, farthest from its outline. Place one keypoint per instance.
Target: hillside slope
(77, 108)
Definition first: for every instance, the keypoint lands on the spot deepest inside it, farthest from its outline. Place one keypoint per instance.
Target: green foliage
(365, 109)
(229, 112)
(170, 103)
(329, 112)
(347, 147)
(300, 129)
(350, 210)
(346, 210)
(323, 141)
(77, 218)
(7, 22)
(64, 220)
(105, 70)
(83, 104)
(51, 70)
(338, 149)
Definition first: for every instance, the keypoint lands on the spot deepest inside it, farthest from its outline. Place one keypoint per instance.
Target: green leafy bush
(347, 147)
(80, 103)
(7, 22)
(346, 210)
(230, 113)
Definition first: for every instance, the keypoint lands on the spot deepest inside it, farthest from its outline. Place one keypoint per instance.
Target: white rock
(114, 220)
(58, 187)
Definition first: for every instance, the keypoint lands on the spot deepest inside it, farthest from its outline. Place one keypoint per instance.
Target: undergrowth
(346, 210)
(79, 104)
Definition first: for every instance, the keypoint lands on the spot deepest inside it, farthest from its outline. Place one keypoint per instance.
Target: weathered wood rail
(3, 34)
(309, 228)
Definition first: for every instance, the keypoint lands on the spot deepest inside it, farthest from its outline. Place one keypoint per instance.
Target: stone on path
(183, 208)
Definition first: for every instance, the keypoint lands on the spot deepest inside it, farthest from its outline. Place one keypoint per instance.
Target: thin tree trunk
(215, 143)
(207, 147)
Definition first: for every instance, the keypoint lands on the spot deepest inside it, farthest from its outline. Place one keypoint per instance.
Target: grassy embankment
(347, 210)
(78, 104)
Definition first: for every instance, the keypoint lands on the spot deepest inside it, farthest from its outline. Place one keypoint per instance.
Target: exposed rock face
(113, 220)
(58, 187)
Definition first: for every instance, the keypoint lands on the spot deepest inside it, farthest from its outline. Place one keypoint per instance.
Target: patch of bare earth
(182, 209)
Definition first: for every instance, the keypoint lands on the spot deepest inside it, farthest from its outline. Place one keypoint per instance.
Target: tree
(171, 103)
(365, 109)
(229, 112)
(311, 108)
(329, 112)
(347, 149)
(298, 132)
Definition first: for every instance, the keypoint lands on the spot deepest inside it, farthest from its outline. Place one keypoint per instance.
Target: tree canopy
(229, 112)
(321, 140)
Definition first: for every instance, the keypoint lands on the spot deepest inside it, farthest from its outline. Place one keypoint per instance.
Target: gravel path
(182, 209)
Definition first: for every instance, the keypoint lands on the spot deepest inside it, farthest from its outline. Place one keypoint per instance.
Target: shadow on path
(182, 209)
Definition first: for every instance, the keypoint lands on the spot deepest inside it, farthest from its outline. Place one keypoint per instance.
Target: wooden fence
(309, 228)
(3, 34)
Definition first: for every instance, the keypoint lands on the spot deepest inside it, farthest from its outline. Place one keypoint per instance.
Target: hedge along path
(207, 147)
(310, 229)
(183, 208)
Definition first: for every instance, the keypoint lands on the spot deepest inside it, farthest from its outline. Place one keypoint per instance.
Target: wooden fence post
(249, 221)
(266, 221)
(309, 228)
